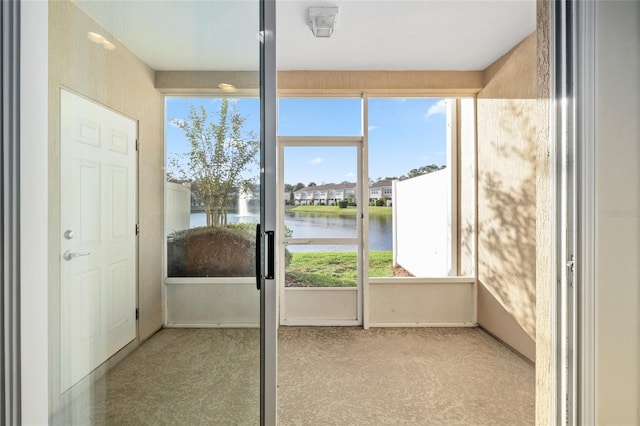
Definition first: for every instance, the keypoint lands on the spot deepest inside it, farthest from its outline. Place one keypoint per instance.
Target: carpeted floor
(326, 376)
(404, 376)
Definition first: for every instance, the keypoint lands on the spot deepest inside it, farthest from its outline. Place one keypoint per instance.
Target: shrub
(380, 203)
(215, 251)
(343, 204)
(212, 252)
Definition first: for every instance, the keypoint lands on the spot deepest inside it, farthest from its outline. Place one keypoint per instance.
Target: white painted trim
(363, 254)
(321, 241)
(165, 254)
(422, 324)
(475, 214)
(363, 206)
(418, 280)
(321, 323)
(452, 164)
(320, 140)
(357, 241)
(320, 289)
(212, 325)
(280, 239)
(34, 216)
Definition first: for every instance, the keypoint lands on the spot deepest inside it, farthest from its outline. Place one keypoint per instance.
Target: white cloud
(316, 160)
(373, 127)
(439, 108)
(177, 122)
(350, 175)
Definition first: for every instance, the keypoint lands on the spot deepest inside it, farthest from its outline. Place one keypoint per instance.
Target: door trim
(357, 142)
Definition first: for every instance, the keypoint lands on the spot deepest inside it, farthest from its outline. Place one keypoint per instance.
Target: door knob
(68, 255)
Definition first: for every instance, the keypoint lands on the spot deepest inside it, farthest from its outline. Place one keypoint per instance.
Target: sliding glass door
(161, 167)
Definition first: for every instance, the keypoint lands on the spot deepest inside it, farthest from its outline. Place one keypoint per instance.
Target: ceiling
(220, 35)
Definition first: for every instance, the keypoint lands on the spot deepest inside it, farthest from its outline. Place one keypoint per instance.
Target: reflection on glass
(213, 192)
(110, 67)
(321, 266)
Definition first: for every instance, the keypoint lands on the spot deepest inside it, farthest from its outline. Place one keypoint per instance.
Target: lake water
(312, 225)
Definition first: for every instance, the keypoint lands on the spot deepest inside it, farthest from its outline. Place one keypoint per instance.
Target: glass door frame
(268, 191)
(30, 395)
(359, 240)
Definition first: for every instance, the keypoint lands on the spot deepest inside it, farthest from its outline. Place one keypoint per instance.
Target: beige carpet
(407, 376)
(327, 376)
(178, 377)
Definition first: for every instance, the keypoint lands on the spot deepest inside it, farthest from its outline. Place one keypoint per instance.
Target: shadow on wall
(507, 231)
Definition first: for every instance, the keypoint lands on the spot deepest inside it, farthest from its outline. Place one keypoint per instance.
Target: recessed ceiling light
(226, 87)
(99, 39)
(95, 37)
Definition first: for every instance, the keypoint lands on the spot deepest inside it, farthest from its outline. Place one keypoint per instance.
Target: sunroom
(159, 180)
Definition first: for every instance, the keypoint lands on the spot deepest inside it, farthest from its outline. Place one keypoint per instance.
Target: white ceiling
(370, 35)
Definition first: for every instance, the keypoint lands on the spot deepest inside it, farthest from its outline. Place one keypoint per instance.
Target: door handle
(258, 254)
(271, 250)
(69, 255)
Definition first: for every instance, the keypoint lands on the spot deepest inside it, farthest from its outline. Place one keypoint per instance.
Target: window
(211, 212)
(416, 158)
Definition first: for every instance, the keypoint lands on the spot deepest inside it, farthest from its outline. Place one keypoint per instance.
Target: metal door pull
(68, 255)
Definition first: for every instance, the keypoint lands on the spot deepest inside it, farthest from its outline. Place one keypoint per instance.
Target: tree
(218, 160)
(312, 184)
(298, 186)
(424, 170)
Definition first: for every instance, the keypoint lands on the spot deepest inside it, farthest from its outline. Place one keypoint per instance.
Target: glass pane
(213, 192)
(321, 266)
(320, 117)
(112, 65)
(320, 191)
(408, 158)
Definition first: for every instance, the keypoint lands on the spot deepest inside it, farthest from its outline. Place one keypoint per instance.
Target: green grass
(334, 269)
(335, 210)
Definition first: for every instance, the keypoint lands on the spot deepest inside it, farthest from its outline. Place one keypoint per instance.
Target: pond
(314, 225)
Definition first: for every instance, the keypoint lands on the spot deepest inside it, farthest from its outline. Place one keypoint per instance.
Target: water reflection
(311, 225)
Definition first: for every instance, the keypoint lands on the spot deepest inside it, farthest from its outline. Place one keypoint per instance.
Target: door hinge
(137, 313)
(137, 144)
(137, 229)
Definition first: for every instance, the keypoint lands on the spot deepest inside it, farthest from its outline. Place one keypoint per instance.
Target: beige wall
(617, 210)
(119, 80)
(507, 198)
(545, 380)
(379, 82)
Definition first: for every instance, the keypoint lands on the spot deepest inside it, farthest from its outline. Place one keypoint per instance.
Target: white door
(97, 235)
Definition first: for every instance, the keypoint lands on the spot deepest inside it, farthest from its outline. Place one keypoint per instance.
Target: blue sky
(403, 134)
